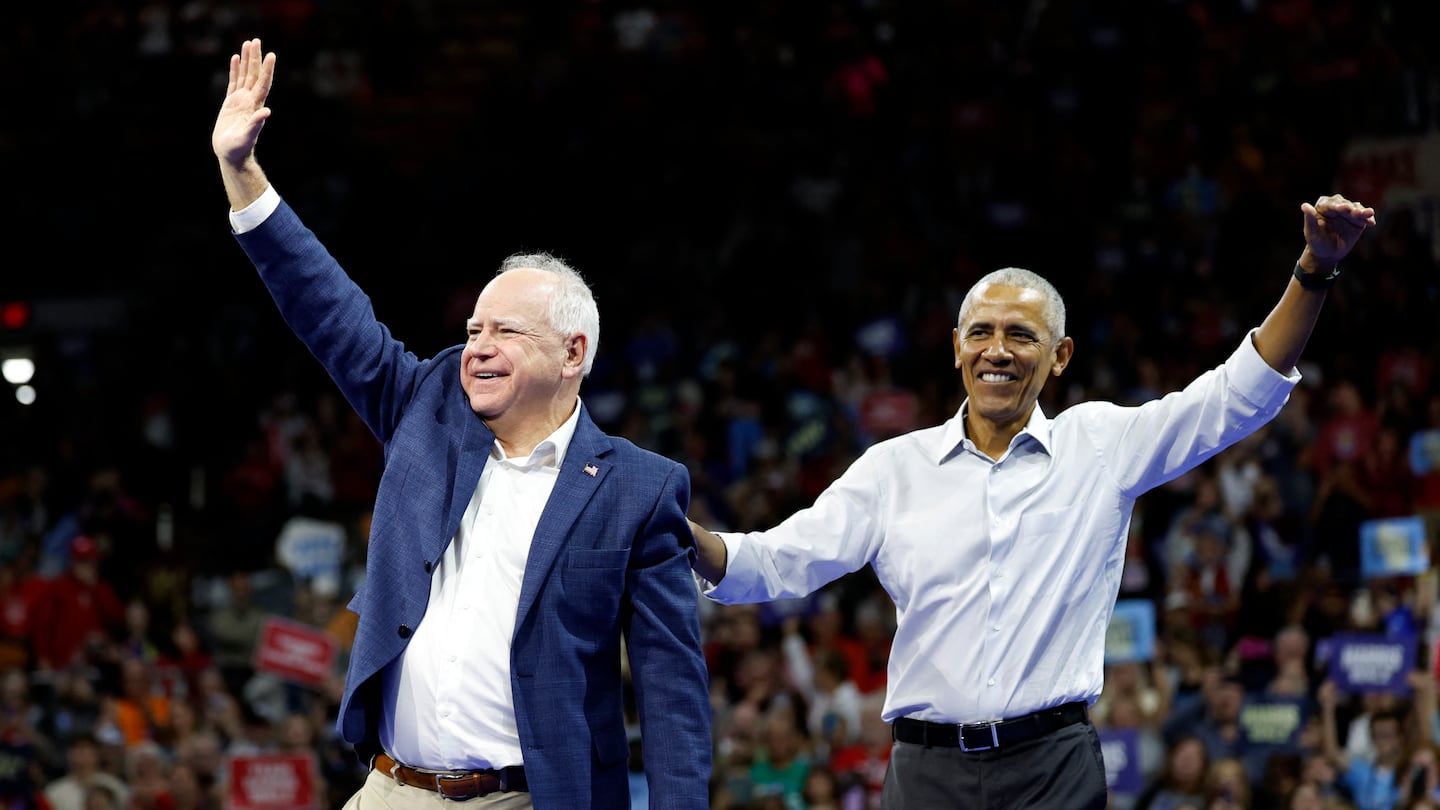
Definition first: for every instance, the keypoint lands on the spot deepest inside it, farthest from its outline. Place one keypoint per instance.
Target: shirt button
(990, 682)
(996, 628)
(452, 659)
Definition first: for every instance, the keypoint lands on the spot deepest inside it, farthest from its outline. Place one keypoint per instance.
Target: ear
(955, 341)
(1064, 349)
(575, 348)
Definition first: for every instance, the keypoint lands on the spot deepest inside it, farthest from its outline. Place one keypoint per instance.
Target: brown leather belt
(454, 784)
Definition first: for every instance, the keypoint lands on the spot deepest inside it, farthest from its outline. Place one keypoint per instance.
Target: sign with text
(1370, 662)
(1392, 547)
(294, 652)
(1273, 721)
(271, 782)
(1121, 749)
(1131, 634)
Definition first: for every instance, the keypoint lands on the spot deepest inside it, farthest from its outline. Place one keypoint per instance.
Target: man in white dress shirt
(1001, 535)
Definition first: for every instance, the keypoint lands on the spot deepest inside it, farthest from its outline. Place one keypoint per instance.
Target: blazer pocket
(597, 558)
(594, 580)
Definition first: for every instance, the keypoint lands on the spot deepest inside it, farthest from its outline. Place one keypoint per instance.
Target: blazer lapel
(474, 452)
(580, 476)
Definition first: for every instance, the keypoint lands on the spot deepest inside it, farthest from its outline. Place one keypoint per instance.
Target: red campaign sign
(294, 651)
(271, 782)
(888, 413)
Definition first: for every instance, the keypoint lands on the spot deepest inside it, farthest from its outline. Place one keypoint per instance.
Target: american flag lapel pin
(591, 470)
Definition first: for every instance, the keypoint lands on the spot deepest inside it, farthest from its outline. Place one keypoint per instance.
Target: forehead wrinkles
(506, 300)
(1007, 305)
(1005, 316)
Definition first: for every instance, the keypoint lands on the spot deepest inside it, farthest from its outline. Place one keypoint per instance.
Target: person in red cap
(76, 610)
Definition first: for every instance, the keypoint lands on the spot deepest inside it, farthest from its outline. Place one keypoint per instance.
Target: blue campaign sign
(1121, 750)
(1370, 662)
(1425, 452)
(1131, 634)
(1392, 547)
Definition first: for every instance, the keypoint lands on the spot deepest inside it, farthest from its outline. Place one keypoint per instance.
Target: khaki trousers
(380, 792)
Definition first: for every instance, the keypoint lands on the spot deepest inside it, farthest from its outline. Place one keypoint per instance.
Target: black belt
(454, 784)
(985, 736)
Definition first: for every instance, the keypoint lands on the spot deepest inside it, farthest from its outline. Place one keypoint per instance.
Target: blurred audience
(848, 189)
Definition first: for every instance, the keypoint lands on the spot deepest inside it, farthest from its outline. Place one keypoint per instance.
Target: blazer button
(404, 631)
(427, 566)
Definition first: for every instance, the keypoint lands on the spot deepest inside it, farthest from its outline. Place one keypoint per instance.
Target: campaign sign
(1370, 662)
(271, 782)
(1425, 452)
(1392, 547)
(294, 652)
(1121, 750)
(1131, 634)
(1273, 721)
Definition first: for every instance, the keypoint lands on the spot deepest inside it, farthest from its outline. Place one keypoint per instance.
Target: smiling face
(1005, 353)
(521, 375)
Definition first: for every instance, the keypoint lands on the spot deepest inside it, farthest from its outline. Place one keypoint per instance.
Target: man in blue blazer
(516, 552)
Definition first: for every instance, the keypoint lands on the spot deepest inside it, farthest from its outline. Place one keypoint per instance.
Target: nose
(996, 348)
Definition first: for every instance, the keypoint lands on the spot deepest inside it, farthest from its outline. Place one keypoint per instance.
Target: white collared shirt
(448, 703)
(1004, 573)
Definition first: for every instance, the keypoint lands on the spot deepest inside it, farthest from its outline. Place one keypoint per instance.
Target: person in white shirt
(1001, 534)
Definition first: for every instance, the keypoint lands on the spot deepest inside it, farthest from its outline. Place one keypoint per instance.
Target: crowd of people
(182, 480)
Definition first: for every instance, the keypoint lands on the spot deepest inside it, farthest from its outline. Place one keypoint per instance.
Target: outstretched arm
(1333, 225)
(710, 562)
(237, 127)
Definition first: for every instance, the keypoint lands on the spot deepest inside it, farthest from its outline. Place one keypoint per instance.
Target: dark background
(736, 180)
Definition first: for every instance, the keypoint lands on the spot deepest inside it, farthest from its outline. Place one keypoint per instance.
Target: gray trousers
(1063, 770)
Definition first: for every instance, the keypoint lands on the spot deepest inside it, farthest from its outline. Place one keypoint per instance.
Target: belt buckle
(486, 784)
(994, 737)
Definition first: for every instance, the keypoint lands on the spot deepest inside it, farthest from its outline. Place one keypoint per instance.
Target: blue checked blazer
(610, 557)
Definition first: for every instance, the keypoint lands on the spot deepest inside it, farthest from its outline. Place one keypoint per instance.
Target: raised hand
(237, 127)
(1333, 225)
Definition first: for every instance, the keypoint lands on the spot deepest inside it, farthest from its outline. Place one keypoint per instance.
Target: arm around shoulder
(712, 556)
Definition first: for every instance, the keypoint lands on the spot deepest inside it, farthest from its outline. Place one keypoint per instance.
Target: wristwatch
(1316, 281)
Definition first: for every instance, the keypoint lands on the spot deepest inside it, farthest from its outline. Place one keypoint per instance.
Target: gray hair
(1054, 307)
(572, 306)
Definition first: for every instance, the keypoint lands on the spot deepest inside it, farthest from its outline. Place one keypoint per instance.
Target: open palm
(243, 114)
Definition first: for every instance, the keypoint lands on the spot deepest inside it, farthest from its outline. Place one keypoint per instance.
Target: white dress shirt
(1004, 573)
(448, 703)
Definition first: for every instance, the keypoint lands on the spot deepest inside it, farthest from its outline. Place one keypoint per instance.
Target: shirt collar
(952, 437)
(550, 452)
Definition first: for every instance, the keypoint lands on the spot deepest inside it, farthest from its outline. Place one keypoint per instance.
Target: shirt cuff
(250, 217)
(1253, 375)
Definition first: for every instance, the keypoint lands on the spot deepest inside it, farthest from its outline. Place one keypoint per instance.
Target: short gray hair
(1054, 307)
(572, 306)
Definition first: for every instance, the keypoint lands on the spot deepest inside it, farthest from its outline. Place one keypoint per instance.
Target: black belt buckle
(981, 743)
